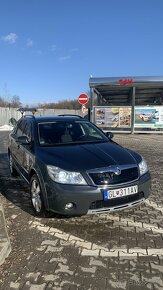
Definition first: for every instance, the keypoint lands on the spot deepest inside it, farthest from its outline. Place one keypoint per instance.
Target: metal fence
(6, 113)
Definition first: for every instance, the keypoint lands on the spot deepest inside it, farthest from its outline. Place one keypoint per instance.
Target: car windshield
(69, 132)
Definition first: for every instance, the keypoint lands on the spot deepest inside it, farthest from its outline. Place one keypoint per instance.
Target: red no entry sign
(83, 99)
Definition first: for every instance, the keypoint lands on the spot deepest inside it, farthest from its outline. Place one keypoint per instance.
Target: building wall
(6, 113)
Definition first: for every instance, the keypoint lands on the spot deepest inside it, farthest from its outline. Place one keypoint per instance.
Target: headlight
(66, 177)
(143, 167)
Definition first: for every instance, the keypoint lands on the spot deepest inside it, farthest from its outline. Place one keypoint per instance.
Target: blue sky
(49, 48)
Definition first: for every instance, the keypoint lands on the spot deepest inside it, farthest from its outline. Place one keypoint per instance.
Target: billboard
(149, 117)
(113, 117)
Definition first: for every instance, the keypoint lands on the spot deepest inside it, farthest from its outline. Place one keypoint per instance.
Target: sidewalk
(5, 247)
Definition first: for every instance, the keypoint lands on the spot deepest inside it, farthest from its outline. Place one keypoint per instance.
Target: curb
(5, 246)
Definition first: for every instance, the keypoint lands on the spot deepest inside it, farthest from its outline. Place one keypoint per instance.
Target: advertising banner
(113, 117)
(149, 117)
(124, 117)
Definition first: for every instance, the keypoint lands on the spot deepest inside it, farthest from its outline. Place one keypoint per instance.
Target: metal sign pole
(133, 111)
(91, 105)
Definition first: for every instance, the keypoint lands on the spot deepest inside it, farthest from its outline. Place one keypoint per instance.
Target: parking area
(121, 250)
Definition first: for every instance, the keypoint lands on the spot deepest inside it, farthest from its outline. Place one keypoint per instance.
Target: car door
(14, 144)
(27, 151)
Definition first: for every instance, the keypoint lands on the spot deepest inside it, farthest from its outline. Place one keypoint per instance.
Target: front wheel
(37, 196)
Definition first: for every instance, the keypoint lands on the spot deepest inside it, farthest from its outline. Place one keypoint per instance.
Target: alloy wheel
(36, 196)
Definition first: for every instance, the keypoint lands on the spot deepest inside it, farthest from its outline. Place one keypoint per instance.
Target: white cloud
(10, 38)
(63, 58)
(29, 42)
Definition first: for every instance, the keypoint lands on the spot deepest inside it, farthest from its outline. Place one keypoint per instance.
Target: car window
(90, 130)
(64, 132)
(28, 131)
(20, 128)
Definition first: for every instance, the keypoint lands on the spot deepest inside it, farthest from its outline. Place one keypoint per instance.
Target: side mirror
(23, 140)
(12, 121)
(110, 135)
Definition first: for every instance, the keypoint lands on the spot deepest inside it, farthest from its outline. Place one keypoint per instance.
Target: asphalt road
(123, 250)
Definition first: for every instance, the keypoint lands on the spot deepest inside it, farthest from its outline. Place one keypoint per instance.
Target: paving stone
(128, 242)
(5, 246)
(155, 279)
(90, 252)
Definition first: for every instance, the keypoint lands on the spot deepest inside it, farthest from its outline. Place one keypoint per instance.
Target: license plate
(120, 192)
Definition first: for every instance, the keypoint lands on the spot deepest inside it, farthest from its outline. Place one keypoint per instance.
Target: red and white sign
(83, 99)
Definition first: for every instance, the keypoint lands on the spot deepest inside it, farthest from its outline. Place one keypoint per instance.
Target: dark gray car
(73, 168)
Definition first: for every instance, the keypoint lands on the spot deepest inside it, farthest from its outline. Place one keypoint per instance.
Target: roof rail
(70, 115)
(23, 110)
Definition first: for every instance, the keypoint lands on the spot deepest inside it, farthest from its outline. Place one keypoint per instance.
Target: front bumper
(90, 199)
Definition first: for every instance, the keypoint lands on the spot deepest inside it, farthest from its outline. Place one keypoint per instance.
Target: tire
(37, 197)
(13, 171)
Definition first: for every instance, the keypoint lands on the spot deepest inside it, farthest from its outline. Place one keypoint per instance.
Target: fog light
(69, 205)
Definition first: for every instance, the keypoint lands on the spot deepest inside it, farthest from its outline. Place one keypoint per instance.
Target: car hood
(82, 157)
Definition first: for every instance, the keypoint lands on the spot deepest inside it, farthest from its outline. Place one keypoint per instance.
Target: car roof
(42, 119)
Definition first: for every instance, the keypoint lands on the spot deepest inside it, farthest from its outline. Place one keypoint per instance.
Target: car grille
(116, 201)
(104, 178)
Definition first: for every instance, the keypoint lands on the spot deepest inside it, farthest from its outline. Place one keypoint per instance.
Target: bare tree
(15, 101)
